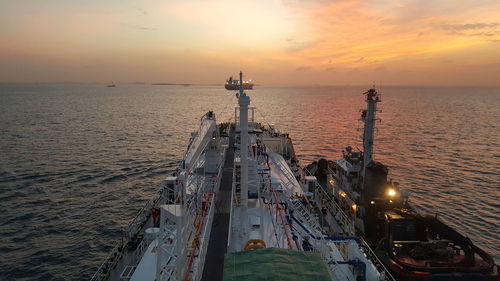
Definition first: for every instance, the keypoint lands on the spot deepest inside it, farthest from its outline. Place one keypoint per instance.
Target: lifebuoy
(254, 244)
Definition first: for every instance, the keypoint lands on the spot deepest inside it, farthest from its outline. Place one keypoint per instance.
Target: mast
(244, 102)
(368, 117)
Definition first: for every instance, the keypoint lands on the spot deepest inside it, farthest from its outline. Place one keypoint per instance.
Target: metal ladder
(305, 215)
(342, 219)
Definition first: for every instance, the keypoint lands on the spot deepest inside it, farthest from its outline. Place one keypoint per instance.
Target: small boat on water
(112, 84)
(421, 247)
(412, 246)
(234, 84)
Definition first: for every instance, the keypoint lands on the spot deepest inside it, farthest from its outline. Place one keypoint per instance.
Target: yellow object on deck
(254, 244)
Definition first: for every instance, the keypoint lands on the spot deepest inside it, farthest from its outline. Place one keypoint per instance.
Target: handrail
(327, 258)
(100, 274)
(198, 230)
(368, 250)
(233, 198)
(346, 224)
(344, 219)
(109, 261)
(378, 263)
(197, 224)
(208, 228)
(279, 212)
(133, 227)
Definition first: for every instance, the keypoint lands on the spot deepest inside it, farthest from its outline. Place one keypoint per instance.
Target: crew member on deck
(155, 212)
(306, 245)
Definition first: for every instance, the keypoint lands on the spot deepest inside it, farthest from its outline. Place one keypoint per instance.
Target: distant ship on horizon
(234, 84)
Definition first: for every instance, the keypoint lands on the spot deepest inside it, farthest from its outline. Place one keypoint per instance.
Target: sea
(78, 161)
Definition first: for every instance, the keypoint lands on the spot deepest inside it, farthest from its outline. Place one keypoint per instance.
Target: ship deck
(217, 245)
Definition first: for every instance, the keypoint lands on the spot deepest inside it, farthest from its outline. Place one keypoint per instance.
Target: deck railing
(129, 231)
(138, 221)
(348, 226)
(385, 274)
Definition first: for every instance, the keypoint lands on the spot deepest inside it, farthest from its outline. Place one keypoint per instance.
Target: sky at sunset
(276, 42)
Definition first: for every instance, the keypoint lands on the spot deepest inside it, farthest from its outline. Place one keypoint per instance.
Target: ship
(235, 84)
(239, 207)
(413, 246)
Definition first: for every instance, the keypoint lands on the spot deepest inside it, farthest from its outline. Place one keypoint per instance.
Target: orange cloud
(346, 31)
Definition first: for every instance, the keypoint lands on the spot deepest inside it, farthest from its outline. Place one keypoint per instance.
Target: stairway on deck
(217, 244)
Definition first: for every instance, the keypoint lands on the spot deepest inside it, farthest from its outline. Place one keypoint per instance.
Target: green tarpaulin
(274, 264)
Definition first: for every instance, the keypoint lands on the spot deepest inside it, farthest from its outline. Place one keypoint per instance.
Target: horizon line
(259, 85)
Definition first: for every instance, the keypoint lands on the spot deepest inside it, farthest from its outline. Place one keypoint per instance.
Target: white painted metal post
(372, 98)
(244, 102)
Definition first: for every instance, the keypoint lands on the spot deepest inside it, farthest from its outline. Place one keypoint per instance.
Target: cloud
(469, 26)
(485, 31)
(134, 26)
(142, 11)
(295, 45)
(302, 68)
(358, 33)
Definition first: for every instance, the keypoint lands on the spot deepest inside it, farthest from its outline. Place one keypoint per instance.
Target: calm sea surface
(78, 161)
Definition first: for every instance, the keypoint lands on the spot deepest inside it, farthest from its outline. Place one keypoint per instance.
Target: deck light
(391, 192)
